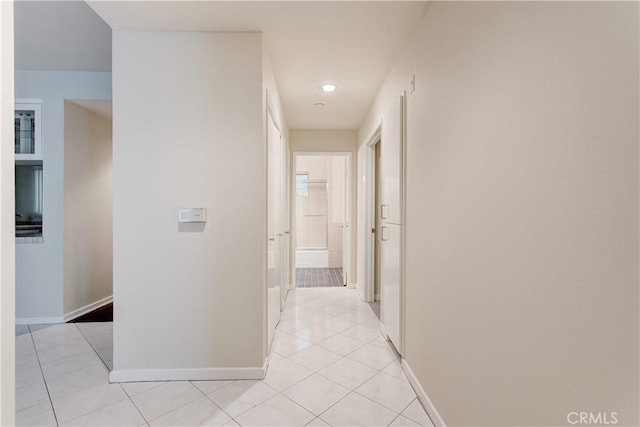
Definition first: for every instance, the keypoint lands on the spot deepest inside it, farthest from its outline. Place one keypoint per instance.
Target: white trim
(403, 213)
(370, 212)
(67, 317)
(87, 308)
(39, 320)
(210, 374)
(423, 398)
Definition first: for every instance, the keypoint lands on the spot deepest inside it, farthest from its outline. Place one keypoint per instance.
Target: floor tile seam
(317, 372)
(213, 391)
(368, 366)
(93, 348)
(30, 383)
(171, 410)
(378, 403)
(348, 388)
(252, 405)
(56, 359)
(340, 400)
(408, 417)
(55, 417)
(33, 404)
(100, 408)
(290, 399)
(134, 404)
(48, 377)
(296, 382)
(397, 416)
(220, 407)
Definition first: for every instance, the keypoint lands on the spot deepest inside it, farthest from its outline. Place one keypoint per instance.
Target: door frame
(370, 212)
(350, 208)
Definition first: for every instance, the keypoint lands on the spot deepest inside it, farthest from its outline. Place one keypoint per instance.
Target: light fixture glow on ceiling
(329, 87)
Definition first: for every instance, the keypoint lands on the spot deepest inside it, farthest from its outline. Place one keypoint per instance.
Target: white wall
(39, 266)
(326, 141)
(522, 209)
(7, 220)
(188, 132)
(88, 207)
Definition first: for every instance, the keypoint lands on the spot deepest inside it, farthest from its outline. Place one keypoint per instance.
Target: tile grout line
(134, 404)
(216, 390)
(174, 409)
(425, 412)
(253, 406)
(93, 348)
(46, 386)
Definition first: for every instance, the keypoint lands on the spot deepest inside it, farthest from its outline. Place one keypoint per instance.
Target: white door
(274, 229)
(346, 230)
(286, 224)
(391, 159)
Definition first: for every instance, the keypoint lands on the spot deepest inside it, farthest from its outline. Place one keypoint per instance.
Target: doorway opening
(322, 211)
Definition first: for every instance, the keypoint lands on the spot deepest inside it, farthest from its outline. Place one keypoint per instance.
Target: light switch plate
(192, 215)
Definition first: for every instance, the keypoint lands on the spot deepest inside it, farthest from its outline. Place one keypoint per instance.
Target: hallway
(329, 365)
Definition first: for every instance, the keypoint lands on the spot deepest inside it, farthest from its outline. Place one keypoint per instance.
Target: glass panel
(28, 200)
(302, 188)
(311, 213)
(25, 123)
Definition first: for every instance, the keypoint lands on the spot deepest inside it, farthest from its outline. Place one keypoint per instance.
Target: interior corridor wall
(7, 219)
(188, 132)
(522, 209)
(88, 208)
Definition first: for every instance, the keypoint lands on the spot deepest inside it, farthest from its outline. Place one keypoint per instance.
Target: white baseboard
(39, 320)
(209, 374)
(352, 285)
(423, 398)
(87, 308)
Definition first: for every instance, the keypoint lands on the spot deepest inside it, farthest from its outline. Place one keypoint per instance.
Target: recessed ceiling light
(318, 105)
(329, 87)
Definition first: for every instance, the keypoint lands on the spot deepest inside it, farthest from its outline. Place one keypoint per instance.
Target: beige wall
(522, 209)
(188, 132)
(7, 220)
(319, 141)
(88, 207)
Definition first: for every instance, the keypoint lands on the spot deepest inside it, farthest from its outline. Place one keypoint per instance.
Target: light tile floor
(329, 365)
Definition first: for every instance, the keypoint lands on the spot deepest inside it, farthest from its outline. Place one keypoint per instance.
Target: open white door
(346, 230)
(274, 226)
(391, 177)
(286, 224)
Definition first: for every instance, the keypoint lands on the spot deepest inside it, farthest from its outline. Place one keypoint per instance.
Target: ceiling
(349, 43)
(60, 35)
